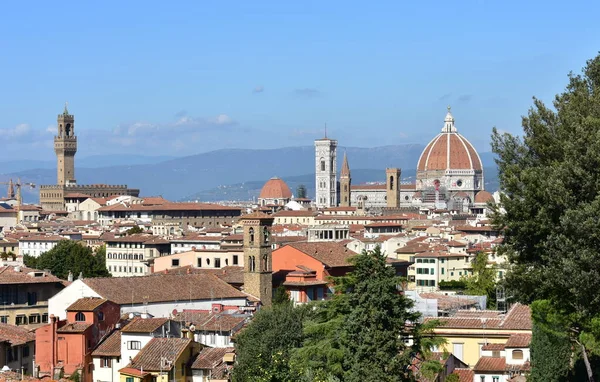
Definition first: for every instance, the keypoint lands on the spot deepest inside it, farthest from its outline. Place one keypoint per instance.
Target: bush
(452, 285)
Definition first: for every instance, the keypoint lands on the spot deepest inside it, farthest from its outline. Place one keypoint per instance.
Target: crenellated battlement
(82, 186)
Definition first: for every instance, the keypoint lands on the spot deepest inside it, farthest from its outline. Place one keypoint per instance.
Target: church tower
(326, 172)
(345, 183)
(258, 264)
(393, 186)
(65, 147)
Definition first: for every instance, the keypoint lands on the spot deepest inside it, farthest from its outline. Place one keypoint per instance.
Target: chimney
(70, 277)
(80, 276)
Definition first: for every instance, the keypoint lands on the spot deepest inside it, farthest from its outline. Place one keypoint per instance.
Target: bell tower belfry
(65, 147)
(345, 184)
(258, 262)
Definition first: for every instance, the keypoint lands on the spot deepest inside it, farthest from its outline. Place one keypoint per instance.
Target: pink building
(65, 346)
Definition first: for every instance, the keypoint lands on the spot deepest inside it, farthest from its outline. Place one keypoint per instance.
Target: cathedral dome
(275, 188)
(449, 151)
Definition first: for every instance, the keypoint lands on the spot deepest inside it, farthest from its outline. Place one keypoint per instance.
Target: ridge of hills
(213, 175)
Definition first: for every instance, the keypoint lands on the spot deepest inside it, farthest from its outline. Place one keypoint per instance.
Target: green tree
(301, 192)
(263, 348)
(281, 296)
(134, 230)
(359, 334)
(550, 178)
(483, 280)
(67, 256)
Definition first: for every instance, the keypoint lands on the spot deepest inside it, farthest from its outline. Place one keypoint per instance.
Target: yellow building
(162, 360)
(468, 331)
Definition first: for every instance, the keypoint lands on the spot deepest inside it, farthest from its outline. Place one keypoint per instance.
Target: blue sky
(179, 78)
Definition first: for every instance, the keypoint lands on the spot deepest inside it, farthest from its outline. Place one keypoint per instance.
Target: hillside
(202, 174)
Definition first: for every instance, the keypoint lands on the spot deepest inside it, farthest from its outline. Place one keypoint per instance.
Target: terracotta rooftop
(86, 304)
(161, 287)
(448, 302)
(483, 197)
(144, 325)
(231, 274)
(329, 253)
(518, 341)
(464, 375)
(275, 188)
(24, 275)
(15, 335)
(206, 320)
(137, 238)
(187, 206)
(42, 238)
(110, 347)
(517, 318)
(290, 213)
(492, 347)
(490, 364)
(209, 358)
(149, 358)
(74, 327)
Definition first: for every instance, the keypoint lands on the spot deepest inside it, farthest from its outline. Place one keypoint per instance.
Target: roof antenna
(325, 129)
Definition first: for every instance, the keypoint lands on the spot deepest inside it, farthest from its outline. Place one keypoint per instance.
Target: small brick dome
(275, 188)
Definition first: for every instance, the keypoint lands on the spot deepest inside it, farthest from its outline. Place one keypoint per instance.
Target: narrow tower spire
(345, 167)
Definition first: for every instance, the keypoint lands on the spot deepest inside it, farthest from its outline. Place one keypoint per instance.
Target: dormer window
(80, 317)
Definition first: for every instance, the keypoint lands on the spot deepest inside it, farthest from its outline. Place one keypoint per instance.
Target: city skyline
(180, 80)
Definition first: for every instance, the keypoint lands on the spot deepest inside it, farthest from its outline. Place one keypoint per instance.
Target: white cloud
(258, 89)
(223, 119)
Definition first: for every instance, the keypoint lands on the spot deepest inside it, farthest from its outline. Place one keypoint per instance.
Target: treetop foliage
(71, 256)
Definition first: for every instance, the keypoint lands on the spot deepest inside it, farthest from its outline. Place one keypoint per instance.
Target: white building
(502, 362)
(133, 255)
(192, 242)
(326, 194)
(37, 244)
(123, 344)
(158, 294)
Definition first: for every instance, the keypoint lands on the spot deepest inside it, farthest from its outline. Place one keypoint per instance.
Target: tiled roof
(74, 327)
(15, 335)
(42, 238)
(364, 187)
(144, 325)
(86, 304)
(186, 206)
(162, 287)
(492, 347)
(110, 347)
(449, 150)
(329, 253)
(231, 274)
(518, 341)
(518, 318)
(24, 275)
(209, 358)
(490, 364)
(149, 358)
(133, 371)
(136, 238)
(275, 188)
(464, 375)
(205, 320)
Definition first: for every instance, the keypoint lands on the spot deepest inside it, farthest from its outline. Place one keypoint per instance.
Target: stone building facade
(326, 173)
(52, 197)
(258, 262)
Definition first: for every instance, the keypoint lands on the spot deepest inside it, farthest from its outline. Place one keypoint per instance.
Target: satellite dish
(131, 315)
(192, 328)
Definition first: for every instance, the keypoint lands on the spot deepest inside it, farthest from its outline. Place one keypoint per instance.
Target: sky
(181, 78)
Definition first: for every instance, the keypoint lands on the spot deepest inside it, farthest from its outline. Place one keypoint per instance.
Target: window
(174, 262)
(21, 320)
(100, 316)
(217, 262)
(235, 259)
(199, 262)
(212, 338)
(495, 379)
(80, 316)
(4, 319)
(517, 354)
(25, 351)
(482, 378)
(322, 164)
(392, 183)
(134, 345)
(442, 270)
(35, 319)
(105, 362)
(431, 271)
(45, 317)
(128, 379)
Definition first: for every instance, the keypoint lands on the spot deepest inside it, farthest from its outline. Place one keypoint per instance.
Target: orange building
(303, 268)
(65, 346)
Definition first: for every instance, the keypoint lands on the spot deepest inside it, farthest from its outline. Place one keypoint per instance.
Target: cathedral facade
(449, 176)
(52, 197)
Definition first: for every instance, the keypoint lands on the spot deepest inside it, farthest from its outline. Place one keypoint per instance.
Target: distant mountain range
(225, 174)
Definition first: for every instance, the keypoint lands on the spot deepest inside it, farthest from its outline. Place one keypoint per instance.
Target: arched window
(100, 316)
(266, 235)
(392, 182)
(322, 164)
(80, 316)
(265, 263)
(251, 264)
(517, 354)
(251, 235)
